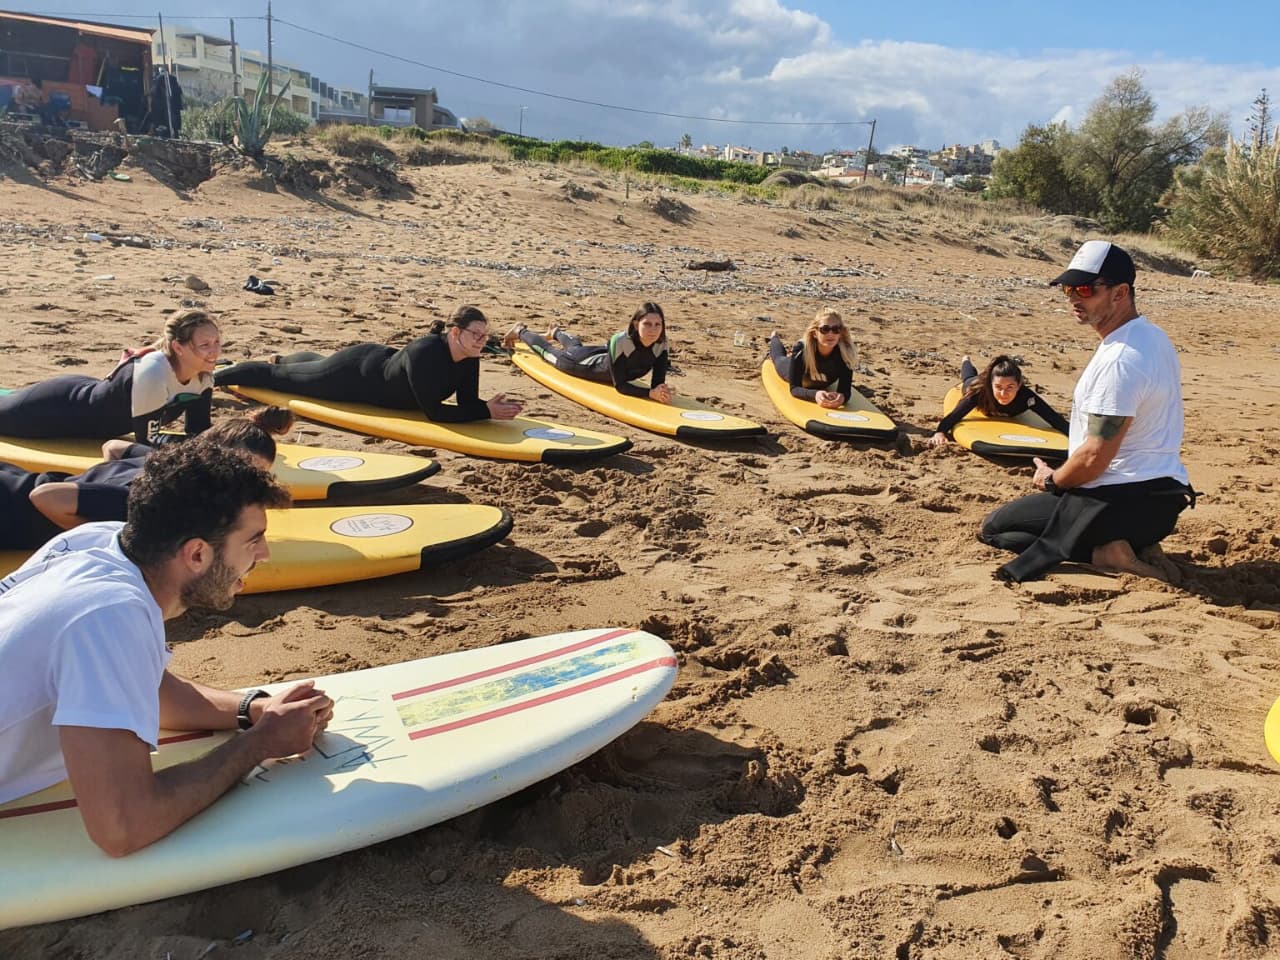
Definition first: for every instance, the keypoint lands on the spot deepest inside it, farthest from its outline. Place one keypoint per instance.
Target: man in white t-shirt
(1123, 484)
(84, 688)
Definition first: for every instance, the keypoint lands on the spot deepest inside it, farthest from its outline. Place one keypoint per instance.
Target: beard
(215, 589)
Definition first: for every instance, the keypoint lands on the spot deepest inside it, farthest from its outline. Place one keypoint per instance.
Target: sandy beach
(873, 749)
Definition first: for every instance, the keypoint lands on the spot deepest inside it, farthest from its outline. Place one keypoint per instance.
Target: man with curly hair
(84, 684)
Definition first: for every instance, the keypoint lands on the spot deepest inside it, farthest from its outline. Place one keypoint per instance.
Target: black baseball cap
(1097, 260)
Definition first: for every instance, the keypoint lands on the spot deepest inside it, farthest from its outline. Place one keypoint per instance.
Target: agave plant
(252, 124)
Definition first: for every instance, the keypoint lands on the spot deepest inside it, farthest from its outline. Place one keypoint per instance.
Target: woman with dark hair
(638, 351)
(419, 376)
(147, 389)
(998, 392)
(37, 506)
(820, 365)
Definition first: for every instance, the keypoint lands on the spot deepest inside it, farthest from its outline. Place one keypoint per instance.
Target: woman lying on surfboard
(638, 351)
(820, 367)
(419, 376)
(35, 507)
(998, 392)
(146, 390)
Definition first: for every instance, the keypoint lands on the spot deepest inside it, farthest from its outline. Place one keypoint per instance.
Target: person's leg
(60, 407)
(778, 354)
(1017, 525)
(540, 345)
(1131, 527)
(567, 339)
(968, 372)
(302, 356)
(589, 363)
(335, 377)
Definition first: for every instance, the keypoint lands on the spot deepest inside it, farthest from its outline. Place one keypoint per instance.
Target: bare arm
(1091, 459)
(59, 502)
(187, 705)
(126, 806)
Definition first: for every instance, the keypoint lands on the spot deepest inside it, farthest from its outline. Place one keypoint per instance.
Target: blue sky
(929, 72)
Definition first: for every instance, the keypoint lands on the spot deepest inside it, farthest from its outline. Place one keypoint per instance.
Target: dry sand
(873, 749)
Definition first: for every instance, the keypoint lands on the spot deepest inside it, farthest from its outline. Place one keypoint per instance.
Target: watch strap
(243, 720)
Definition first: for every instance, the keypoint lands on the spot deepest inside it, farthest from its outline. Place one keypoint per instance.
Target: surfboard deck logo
(705, 416)
(548, 433)
(850, 417)
(330, 464)
(371, 525)
(1021, 438)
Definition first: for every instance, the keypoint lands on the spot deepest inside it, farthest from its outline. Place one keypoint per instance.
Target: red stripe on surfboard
(539, 701)
(68, 804)
(514, 665)
(37, 808)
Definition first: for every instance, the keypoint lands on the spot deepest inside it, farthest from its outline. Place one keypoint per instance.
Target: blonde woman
(820, 366)
(147, 389)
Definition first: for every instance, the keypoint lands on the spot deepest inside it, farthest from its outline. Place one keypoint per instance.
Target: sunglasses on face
(827, 328)
(1082, 290)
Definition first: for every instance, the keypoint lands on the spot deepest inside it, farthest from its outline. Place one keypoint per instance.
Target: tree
(1261, 122)
(1125, 161)
(686, 142)
(1036, 172)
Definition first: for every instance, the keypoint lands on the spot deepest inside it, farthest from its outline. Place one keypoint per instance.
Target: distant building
(740, 154)
(409, 107)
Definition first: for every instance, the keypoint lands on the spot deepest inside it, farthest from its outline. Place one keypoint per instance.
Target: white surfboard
(410, 745)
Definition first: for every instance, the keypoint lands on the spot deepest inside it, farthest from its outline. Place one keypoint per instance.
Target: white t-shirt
(155, 383)
(1134, 373)
(81, 644)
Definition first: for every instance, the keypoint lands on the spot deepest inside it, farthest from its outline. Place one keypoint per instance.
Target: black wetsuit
(838, 376)
(1025, 399)
(103, 495)
(419, 376)
(619, 362)
(139, 396)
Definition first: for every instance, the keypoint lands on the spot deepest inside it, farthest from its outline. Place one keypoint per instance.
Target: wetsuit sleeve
(433, 377)
(198, 415)
(798, 389)
(619, 369)
(101, 501)
(961, 410)
(1048, 414)
(661, 363)
(844, 386)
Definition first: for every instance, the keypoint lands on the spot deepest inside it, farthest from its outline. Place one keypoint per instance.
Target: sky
(928, 72)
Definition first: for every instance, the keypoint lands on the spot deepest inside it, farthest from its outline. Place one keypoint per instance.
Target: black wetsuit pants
(340, 376)
(67, 406)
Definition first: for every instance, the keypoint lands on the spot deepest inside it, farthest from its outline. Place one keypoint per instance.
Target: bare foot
(1118, 557)
(1155, 556)
(512, 335)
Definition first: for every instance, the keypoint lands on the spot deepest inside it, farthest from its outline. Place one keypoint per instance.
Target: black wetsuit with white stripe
(140, 396)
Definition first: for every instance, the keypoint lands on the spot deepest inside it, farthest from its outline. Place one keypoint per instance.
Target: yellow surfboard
(310, 473)
(320, 546)
(858, 419)
(1271, 731)
(1025, 435)
(523, 438)
(684, 417)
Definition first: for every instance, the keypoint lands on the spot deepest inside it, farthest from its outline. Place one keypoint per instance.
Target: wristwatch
(1050, 486)
(243, 720)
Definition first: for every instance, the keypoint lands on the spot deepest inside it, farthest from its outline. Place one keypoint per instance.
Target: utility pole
(235, 62)
(870, 141)
(271, 66)
(369, 101)
(522, 110)
(167, 84)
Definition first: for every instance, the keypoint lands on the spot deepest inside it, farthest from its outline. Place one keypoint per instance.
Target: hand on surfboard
(500, 408)
(939, 439)
(661, 393)
(830, 399)
(292, 719)
(1043, 471)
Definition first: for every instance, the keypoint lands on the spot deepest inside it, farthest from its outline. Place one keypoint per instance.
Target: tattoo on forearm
(1105, 426)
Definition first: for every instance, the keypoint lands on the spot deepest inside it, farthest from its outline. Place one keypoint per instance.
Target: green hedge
(629, 158)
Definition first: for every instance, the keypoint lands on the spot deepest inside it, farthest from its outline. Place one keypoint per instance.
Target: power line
(131, 16)
(567, 99)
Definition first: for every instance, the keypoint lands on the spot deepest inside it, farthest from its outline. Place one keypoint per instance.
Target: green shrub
(1227, 207)
(207, 123)
(251, 125)
(289, 124)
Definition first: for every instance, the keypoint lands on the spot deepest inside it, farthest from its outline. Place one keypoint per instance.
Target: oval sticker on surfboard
(330, 464)
(848, 417)
(548, 433)
(371, 525)
(703, 415)
(1022, 438)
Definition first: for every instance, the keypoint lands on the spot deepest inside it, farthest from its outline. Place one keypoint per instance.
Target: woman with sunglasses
(820, 366)
(34, 507)
(998, 392)
(421, 375)
(148, 389)
(638, 351)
